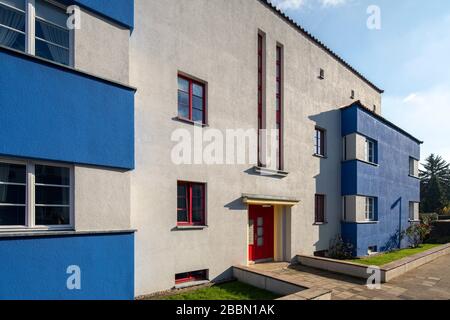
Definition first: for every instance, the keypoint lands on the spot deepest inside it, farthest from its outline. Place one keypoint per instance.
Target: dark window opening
(191, 276)
(320, 208)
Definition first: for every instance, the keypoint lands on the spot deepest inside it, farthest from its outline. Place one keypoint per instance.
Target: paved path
(429, 282)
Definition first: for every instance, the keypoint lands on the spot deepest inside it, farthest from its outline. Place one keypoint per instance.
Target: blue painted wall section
(389, 182)
(36, 268)
(119, 11)
(55, 113)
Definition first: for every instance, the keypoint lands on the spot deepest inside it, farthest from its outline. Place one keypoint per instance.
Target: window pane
(52, 216)
(197, 103)
(12, 39)
(197, 203)
(12, 194)
(53, 34)
(197, 90)
(52, 52)
(12, 216)
(182, 203)
(197, 190)
(19, 4)
(52, 175)
(51, 13)
(52, 195)
(197, 216)
(181, 276)
(12, 21)
(12, 18)
(197, 115)
(183, 85)
(12, 173)
(182, 216)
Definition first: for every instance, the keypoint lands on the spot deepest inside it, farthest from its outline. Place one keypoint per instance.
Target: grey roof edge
(269, 198)
(303, 31)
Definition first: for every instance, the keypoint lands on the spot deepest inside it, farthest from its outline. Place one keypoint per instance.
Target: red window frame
(279, 104)
(191, 95)
(260, 95)
(189, 203)
(191, 276)
(319, 142)
(319, 208)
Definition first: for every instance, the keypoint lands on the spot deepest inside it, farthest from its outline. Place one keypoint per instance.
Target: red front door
(260, 233)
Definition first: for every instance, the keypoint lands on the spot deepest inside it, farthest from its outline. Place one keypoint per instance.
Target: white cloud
(425, 115)
(297, 4)
(332, 3)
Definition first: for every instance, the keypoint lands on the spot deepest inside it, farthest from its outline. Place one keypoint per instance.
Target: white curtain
(14, 20)
(57, 36)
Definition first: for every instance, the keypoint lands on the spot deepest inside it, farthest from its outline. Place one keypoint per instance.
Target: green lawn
(382, 259)
(227, 291)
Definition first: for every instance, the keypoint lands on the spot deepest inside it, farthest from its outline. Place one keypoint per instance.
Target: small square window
(321, 74)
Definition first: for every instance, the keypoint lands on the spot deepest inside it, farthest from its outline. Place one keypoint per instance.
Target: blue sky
(408, 57)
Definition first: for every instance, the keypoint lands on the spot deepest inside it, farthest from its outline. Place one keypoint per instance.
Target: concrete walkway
(429, 282)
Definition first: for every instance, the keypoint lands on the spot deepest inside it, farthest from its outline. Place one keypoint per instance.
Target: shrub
(418, 232)
(431, 216)
(340, 250)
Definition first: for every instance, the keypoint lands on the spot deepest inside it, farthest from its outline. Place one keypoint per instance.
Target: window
(12, 24)
(191, 204)
(372, 250)
(413, 167)
(321, 74)
(414, 211)
(320, 209)
(13, 194)
(51, 204)
(319, 142)
(370, 209)
(191, 100)
(261, 96)
(370, 151)
(36, 27)
(191, 276)
(52, 34)
(279, 106)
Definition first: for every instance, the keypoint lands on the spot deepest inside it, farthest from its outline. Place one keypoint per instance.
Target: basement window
(193, 276)
(372, 250)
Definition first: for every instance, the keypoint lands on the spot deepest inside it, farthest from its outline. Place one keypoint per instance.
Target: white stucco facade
(216, 41)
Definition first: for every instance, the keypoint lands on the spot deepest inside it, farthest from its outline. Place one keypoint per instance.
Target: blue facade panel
(36, 268)
(120, 11)
(389, 181)
(55, 113)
